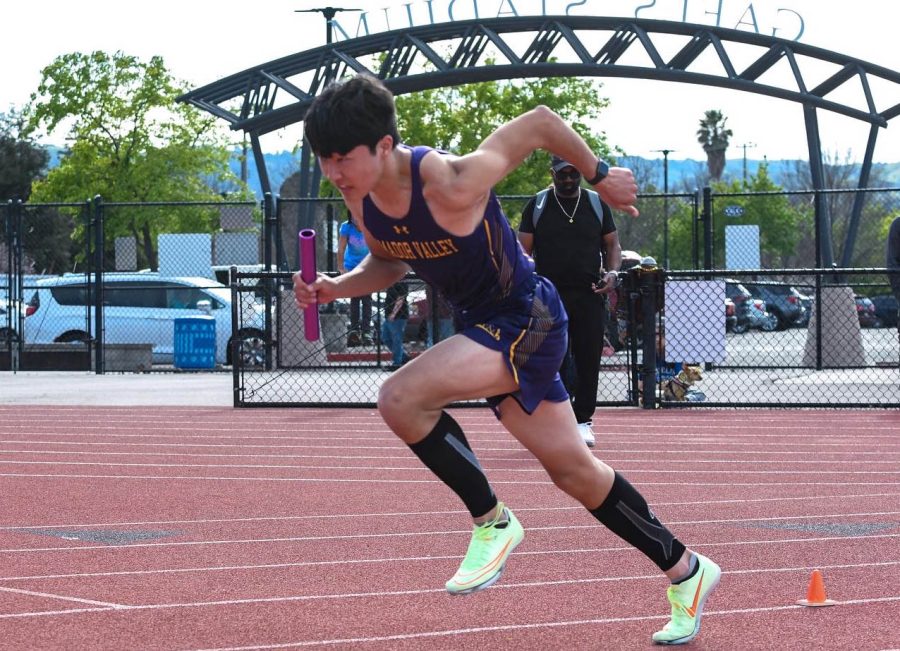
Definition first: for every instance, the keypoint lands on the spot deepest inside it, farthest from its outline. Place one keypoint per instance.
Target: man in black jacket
(575, 245)
(893, 259)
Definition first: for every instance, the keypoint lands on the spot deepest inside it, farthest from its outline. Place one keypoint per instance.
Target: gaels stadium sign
(761, 17)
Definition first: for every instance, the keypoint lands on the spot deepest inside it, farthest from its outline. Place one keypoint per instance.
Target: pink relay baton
(308, 275)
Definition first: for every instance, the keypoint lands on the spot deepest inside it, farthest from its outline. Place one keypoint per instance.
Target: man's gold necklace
(559, 203)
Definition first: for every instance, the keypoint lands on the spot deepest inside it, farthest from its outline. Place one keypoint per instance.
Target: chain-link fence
(105, 286)
(52, 255)
(344, 367)
(796, 230)
(712, 342)
(39, 242)
(767, 346)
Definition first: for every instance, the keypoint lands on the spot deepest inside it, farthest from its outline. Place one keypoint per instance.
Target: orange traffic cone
(815, 593)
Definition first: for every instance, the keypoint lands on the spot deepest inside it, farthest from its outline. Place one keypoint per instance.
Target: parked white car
(141, 308)
(10, 312)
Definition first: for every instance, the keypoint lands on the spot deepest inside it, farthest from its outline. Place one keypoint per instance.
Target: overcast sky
(203, 41)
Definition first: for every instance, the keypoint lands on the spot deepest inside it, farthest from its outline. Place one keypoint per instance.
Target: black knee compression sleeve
(447, 454)
(626, 514)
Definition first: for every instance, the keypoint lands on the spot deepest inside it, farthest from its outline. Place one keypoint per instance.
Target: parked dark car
(782, 300)
(886, 309)
(741, 297)
(865, 310)
(806, 301)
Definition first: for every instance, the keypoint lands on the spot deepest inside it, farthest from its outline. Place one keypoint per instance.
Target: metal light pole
(329, 13)
(311, 186)
(744, 147)
(665, 153)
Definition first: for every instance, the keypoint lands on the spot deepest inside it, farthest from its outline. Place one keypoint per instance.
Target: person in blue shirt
(393, 326)
(436, 214)
(352, 249)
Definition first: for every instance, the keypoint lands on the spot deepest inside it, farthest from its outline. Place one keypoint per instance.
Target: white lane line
(346, 480)
(501, 586)
(339, 422)
(47, 595)
(418, 514)
(503, 445)
(420, 468)
(518, 482)
(422, 634)
(481, 444)
(298, 433)
(406, 457)
(479, 413)
(691, 453)
(403, 514)
(400, 458)
(409, 534)
(409, 559)
(528, 626)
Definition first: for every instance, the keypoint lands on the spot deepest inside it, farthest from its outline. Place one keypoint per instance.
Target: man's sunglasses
(564, 175)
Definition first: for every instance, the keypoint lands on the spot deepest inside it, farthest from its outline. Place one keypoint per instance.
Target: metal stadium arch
(276, 94)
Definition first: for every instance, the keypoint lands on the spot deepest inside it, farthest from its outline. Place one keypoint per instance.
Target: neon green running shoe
(687, 601)
(491, 544)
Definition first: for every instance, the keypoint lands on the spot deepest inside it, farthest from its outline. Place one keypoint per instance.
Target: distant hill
(280, 165)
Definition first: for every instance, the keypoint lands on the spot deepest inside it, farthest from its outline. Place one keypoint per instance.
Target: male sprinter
(437, 214)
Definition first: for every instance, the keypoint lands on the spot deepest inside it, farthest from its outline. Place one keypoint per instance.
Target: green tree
(130, 142)
(21, 160)
(46, 245)
(714, 137)
(458, 118)
(841, 173)
(684, 240)
(764, 205)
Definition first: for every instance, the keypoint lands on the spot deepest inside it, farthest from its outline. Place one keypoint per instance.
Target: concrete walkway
(83, 388)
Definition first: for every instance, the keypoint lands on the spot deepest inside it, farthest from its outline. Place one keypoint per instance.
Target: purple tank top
(481, 274)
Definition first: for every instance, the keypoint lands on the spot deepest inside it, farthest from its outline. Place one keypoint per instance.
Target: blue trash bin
(195, 342)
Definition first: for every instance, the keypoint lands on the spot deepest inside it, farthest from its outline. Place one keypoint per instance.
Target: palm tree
(714, 137)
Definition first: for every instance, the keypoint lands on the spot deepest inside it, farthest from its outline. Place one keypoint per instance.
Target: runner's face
(355, 173)
(566, 181)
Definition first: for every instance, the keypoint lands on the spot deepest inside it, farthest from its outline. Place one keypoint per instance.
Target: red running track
(214, 528)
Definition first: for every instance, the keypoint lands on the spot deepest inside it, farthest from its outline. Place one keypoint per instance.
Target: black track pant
(581, 366)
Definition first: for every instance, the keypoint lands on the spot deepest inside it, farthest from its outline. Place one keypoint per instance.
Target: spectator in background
(893, 262)
(571, 233)
(396, 314)
(351, 251)
(444, 316)
(619, 302)
(893, 257)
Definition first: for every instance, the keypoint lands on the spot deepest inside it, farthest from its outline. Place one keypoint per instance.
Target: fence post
(98, 283)
(8, 238)
(18, 271)
(818, 321)
(632, 287)
(707, 229)
(649, 289)
(271, 229)
(15, 299)
(329, 230)
(695, 238)
(237, 367)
